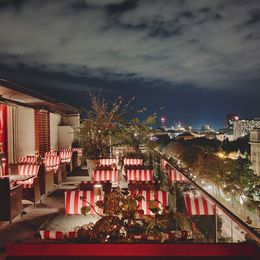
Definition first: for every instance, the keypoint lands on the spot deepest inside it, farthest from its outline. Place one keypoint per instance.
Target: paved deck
(34, 217)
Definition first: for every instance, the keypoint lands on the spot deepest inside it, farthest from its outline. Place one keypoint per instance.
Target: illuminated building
(163, 121)
(255, 150)
(242, 127)
(230, 119)
(205, 128)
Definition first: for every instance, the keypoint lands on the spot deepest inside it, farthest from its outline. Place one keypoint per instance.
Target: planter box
(247, 251)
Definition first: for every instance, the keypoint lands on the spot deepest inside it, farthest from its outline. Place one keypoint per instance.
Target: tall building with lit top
(163, 121)
(230, 119)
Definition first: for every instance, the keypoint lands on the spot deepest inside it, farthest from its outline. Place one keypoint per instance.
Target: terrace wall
(25, 131)
(55, 120)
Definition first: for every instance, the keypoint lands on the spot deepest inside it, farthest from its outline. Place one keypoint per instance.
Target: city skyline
(193, 61)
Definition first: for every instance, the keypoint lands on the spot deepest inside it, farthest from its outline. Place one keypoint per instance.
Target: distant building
(243, 127)
(185, 136)
(220, 137)
(205, 128)
(255, 150)
(197, 134)
(229, 136)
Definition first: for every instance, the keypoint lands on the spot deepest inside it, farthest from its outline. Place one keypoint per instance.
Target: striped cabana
(73, 203)
(78, 150)
(108, 162)
(105, 175)
(161, 196)
(134, 175)
(175, 176)
(65, 155)
(27, 159)
(129, 161)
(197, 204)
(52, 162)
(50, 153)
(163, 164)
(30, 170)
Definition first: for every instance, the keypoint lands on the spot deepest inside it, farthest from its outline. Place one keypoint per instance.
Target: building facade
(255, 150)
(30, 123)
(243, 127)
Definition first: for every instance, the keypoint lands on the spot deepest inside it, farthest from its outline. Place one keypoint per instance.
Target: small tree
(100, 125)
(106, 126)
(241, 179)
(136, 133)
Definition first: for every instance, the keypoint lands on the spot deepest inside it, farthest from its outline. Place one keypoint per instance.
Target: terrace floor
(51, 206)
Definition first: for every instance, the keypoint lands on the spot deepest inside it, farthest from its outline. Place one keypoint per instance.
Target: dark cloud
(255, 17)
(118, 8)
(15, 4)
(212, 46)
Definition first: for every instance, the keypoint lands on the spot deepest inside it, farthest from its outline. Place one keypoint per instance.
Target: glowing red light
(163, 119)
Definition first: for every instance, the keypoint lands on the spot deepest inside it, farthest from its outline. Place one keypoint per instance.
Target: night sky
(193, 61)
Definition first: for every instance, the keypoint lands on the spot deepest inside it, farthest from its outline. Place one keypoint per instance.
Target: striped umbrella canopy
(161, 196)
(197, 204)
(176, 176)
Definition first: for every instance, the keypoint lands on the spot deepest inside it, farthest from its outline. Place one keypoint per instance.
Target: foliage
(163, 140)
(123, 219)
(106, 126)
(99, 126)
(208, 145)
(136, 132)
(241, 180)
(234, 177)
(207, 226)
(241, 144)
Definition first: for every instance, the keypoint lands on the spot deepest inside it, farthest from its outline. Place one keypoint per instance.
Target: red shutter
(42, 131)
(3, 138)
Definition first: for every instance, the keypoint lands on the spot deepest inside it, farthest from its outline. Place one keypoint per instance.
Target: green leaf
(100, 204)
(155, 210)
(85, 210)
(139, 198)
(151, 203)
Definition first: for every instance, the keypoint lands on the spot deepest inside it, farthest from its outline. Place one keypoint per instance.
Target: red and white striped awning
(56, 235)
(105, 175)
(79, 150)
(65, 156)
(108, 161)
(52, 160)
(27, 159)
(28, 169)
(129, 161)
(51, 153)
(163, 164)
(139, 175)
(176, 176)
(73, 203)
(197, 204)
(161, 196)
